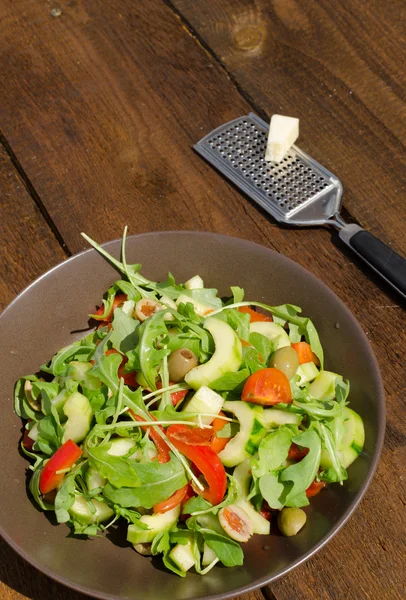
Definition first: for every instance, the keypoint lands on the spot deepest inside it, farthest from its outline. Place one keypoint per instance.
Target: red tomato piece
(296, 453)
(205, 459)
(314, 488)
(218, 443)
(267, 387)
(254, 315)
(305, 353)
(64, 458)
(118, 301)
(172, 501)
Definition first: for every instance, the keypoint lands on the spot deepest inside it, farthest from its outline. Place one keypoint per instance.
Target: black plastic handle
(385, 261)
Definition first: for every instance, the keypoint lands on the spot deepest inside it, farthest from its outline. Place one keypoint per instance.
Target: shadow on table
(20, 576)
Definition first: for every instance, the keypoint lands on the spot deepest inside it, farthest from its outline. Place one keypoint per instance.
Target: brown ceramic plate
(44, 318)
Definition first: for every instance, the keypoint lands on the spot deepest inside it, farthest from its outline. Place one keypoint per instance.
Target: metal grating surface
(237, 149)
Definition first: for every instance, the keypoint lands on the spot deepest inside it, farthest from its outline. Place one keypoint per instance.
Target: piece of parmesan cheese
(283, 132)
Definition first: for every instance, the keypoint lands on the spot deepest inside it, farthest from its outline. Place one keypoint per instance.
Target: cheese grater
(296, 191)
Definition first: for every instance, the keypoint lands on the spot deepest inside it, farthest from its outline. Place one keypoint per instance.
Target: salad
(188, 420)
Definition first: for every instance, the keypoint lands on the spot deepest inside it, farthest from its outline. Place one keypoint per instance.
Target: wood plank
(340, 68)
(101, 108)
(27, 245)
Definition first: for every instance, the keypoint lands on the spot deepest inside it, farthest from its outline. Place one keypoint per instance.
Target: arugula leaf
(227, 550)
(124, 334)
(49, 435)
(302, 474)
(206, 296)
(107, 371)
(273, 450)
(149, 355)
(60, 361)
(230, 381)
(21, 404)
(33, 486)
(238, 293)
(196, 504)
(158, 481)
(118, 470)
(131, 516)
(65, 498)
(238, 321)
(272, 489)
(264, 345)
(251, 359)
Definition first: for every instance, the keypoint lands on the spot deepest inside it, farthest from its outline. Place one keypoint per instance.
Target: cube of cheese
(283, 133)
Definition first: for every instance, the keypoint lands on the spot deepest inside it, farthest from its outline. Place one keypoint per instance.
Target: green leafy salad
(187, 420)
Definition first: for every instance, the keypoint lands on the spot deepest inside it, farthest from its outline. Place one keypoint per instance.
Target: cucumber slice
(273, 417)
(323, 387)
(205, 400)
(247, 440)
(78, 371)
(156, 524)
(94, 479)
(128, 308)
(182, 555)
(208, 555)
(79, 412)
(351, 444)
(121, 446)
(307, 372)
(227, 355)
(273, 332)
(82, 512)
(59, 401)
(200, 309)
(194, 283)
(242, 474)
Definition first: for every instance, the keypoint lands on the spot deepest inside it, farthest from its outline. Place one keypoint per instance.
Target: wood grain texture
(340, 68)
(101, 108)
(27, 246)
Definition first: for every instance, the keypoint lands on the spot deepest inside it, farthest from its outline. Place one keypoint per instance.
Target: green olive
(286, 360)
(291, 521)
(180, 362)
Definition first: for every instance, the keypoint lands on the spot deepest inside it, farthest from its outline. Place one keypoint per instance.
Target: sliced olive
(291, 521)
(180, 362)
(286, 360)
(35, 404)
(144, 549)
(236, 523)
(146, 307)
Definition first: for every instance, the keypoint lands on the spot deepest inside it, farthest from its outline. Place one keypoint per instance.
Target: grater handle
(382, 259)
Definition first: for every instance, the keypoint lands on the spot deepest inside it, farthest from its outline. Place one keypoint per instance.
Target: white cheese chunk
(283, 132)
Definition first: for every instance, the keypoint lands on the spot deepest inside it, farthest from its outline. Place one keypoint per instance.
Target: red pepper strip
(64, 458)
(205, 459)
(314, 488)
(129, 378)
(193, 437)
(172, 501)
(118, 300)
(161, 445)
(254, 315)
(177, 397)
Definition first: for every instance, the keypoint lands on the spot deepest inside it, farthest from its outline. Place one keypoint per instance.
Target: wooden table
(100, 105)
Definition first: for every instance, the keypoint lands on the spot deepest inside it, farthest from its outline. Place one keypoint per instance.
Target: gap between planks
(34, 194)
